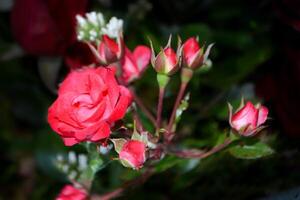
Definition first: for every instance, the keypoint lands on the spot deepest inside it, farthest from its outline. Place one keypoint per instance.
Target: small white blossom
(93, 33)
(80, 20)
(65, 168)
(92, 18)
(82, 160)
(72, 157)
(72, 174)
(101, 20)
(105, 149)
(59, 158)
(113, 27)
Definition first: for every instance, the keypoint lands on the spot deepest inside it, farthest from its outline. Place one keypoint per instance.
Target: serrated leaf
(254, 151)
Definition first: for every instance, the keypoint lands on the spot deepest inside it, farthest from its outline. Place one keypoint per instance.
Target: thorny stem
(159, 108)
(177, 102)
(118, 192)
(143, 107)
(200, 154)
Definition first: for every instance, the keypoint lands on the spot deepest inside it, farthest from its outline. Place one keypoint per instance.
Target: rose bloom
(71, 193)
(248, 120)
(89, 102)
(132, 154)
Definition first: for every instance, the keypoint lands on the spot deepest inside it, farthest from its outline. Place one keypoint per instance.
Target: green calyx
(162, 80)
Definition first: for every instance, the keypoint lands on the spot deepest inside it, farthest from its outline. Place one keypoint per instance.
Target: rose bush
(89, 102)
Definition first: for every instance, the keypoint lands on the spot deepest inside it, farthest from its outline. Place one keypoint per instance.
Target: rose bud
(132, 154)
(134, 64)
(108, 50)
(167, 61)
(248, 119)
(192, 53)
(89, 102)
(71, 193)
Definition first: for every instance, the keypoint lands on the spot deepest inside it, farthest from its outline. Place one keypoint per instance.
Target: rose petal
(262, 115)
(122, 105)
(142, 55)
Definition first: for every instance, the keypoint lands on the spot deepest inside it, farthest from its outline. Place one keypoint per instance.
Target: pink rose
(134, 64)
(192, 53)
(89, 102)
(248, 120)
(71, 193)
(132, 154)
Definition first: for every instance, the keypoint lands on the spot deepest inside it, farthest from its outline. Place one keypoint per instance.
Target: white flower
(80, 20)
(92, 18)
(101, 20)
(72, 157)
(113, 27)
(59, 158)
(82, 160)
(72, 175)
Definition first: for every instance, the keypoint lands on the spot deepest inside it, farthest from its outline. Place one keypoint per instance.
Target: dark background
(256, 54)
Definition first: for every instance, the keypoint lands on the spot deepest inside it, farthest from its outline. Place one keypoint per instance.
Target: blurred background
(256, 55)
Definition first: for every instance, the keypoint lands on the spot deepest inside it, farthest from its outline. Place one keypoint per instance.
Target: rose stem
(193, 154)
(177, 102)
(159, 108)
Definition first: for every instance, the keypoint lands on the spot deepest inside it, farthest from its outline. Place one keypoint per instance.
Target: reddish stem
(177, 102)
(200, 154)
(159, 107)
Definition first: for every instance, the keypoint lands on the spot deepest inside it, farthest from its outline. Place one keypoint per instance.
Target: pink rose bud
(248, 119)
(167, 61)
(71, 193)
(89, 102)
(132, 154)
(108, 51)
(134, 64)
(192, 54)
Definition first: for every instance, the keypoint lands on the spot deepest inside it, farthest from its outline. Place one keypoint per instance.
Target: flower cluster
(93, 100)
(94, 26)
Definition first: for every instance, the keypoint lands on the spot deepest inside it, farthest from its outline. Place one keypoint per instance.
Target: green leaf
(257, 150)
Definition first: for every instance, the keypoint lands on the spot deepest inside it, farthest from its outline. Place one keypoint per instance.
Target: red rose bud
(248, 119)
(134, 64)
(89, 102)
(133, 154)
(108, 50)
(192, 53)
(71, 193)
